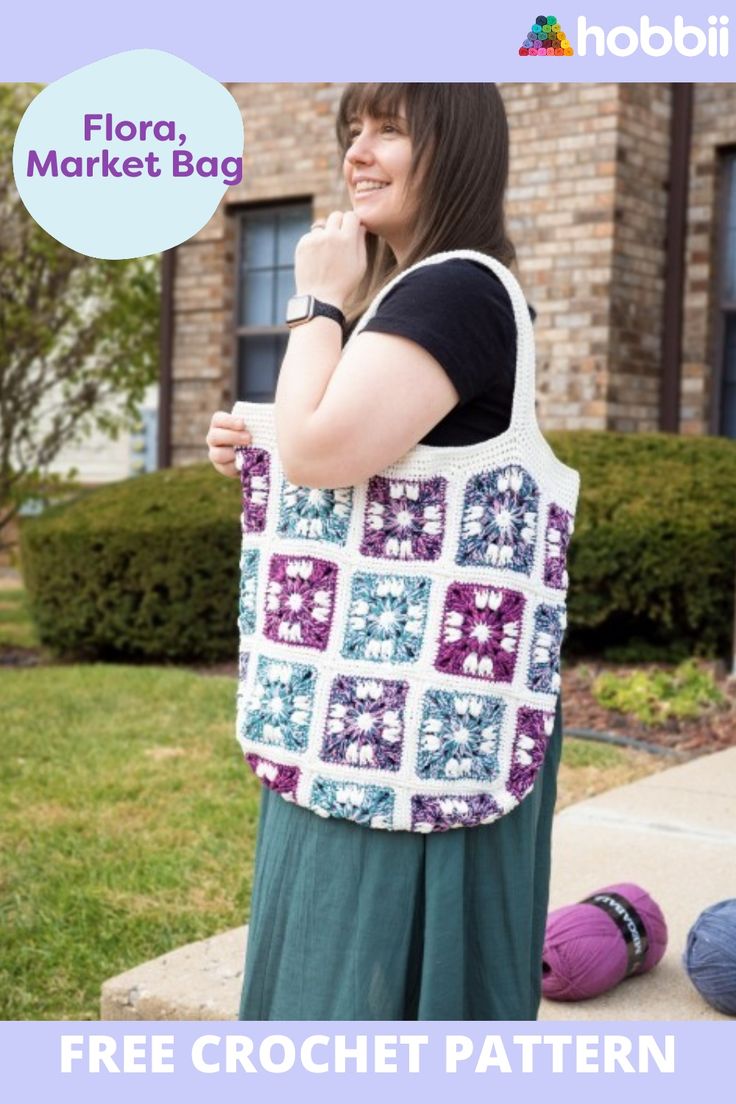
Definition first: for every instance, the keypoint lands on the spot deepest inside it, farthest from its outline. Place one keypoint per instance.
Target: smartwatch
(302, 308)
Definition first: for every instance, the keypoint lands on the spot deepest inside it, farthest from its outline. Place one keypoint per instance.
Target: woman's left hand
(330, 261)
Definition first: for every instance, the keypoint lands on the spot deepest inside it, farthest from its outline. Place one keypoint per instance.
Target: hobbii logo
(656, 41)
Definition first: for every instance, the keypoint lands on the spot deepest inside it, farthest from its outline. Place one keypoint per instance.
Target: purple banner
(234, 40)
(286, 1061)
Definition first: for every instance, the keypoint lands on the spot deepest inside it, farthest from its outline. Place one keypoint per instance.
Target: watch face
(298, 309)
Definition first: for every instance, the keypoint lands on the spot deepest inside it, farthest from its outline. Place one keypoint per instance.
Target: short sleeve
(460, 312)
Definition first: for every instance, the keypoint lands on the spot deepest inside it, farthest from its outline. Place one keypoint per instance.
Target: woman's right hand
(225, 432)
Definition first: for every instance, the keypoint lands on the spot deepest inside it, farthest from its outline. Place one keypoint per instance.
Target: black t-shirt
(460, 312)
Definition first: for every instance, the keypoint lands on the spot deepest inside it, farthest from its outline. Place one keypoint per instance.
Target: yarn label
(629, 923)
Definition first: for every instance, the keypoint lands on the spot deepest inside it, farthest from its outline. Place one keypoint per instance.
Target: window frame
(722, 307)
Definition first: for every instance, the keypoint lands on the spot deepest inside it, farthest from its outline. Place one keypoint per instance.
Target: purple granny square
(300, 600)
(277, 776)
(365, 722)
(557, 538)
(438, 814)
(404, 518)
(254, 465)
(499, 520)
(480, 631)
(533, 730)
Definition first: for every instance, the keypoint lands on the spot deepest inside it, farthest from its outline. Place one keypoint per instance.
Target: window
(267, 240)
(726, 367)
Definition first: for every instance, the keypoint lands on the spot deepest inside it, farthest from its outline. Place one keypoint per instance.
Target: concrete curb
(200, 981)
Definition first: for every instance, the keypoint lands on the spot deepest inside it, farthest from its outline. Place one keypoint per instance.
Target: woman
(349, 922)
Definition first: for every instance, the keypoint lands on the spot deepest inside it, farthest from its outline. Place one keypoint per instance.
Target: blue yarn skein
(710, 955)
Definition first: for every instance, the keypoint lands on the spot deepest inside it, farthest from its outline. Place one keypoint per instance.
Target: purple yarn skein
(590, 948)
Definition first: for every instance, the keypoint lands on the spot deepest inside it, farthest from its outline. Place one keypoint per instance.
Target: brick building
(622, 208)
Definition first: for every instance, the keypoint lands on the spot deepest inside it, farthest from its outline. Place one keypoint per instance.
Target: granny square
(386, 617)
(300, 600)
(279, 705)
(481, 627)
(255, 479)
(559, 529)
(365, 722)
(459, 735)
(404, 518)
(314, 513)
(499, 519)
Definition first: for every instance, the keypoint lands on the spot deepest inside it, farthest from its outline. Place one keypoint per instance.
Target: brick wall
(560, 205)
(636, 293)
(586, 209)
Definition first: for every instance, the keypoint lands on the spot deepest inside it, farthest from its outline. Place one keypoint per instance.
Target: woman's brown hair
(460, 145)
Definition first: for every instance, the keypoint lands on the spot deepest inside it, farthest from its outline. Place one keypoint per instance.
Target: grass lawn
(127, 827)
(16, 627)
(128, 820)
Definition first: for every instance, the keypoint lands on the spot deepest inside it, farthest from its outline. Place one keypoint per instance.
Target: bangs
(379, 101)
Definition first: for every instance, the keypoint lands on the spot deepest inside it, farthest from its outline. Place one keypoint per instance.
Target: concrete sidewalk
(673, 833)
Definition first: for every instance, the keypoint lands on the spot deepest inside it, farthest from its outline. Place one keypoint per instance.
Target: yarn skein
(593, 945)
(709, 957)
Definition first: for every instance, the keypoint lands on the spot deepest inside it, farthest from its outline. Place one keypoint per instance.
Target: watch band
(302, 308)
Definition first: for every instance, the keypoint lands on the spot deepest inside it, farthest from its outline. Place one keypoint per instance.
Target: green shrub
(148, 568)
(138, 570)
(653, 556)
(655, 696)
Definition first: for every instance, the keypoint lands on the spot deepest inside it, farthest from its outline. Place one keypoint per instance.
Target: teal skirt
(356, 923)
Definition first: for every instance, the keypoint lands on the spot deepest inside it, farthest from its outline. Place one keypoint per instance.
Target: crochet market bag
(400, 639)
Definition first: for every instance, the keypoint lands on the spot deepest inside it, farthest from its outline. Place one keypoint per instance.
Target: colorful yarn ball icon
(709, 957)
(591, 946)
(546, 39)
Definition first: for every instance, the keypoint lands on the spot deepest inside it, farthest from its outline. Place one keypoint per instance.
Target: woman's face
(376, 169)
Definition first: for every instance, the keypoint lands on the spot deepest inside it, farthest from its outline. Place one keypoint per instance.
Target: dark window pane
(259, 360)
(728, 397)
(257, 301)
(292, 226)
(730, 231)
(258, 240)
(284, 291)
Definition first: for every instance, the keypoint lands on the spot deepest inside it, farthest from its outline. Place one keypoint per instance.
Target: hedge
(147, 569)
(653, 555)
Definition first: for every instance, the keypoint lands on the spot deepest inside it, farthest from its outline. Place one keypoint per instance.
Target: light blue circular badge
(128, 156)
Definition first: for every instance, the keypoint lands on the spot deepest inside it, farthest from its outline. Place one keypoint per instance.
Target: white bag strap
(523, 409)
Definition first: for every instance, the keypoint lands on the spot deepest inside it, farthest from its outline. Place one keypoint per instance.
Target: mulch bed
(20, 657)
(714, 730)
